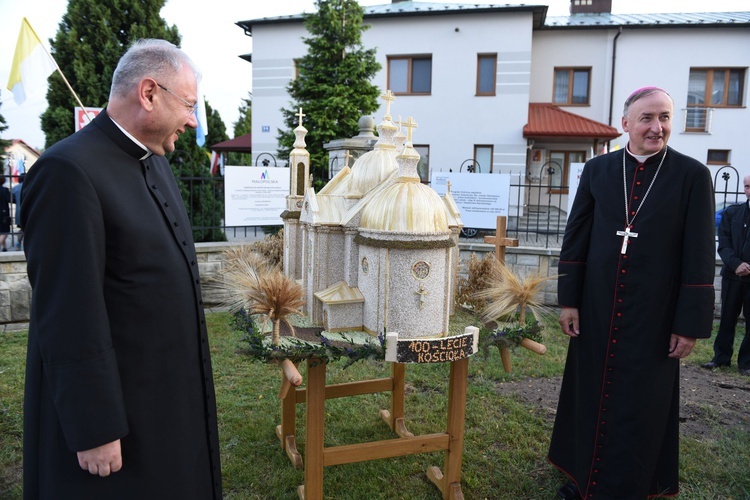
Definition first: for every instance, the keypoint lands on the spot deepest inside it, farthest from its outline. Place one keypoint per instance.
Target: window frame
(493, 75)
(571, 79)
(491, 147)
(409, 73)
(710, 73)
(727, 157)
(424, 159)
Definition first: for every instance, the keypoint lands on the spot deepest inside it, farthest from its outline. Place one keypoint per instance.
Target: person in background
(16, 194)
(119, 400)
(636, 291)
(5, 217)
(734, 250)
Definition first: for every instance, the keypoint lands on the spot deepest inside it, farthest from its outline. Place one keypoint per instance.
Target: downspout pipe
(612, 78)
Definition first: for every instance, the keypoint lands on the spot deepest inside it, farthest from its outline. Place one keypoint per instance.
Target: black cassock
(616, 432)
(117, 340)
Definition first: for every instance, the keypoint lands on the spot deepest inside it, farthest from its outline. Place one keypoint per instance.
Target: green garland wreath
(296, 350)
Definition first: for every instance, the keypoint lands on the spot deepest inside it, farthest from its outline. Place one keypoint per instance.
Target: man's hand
(102, 460)
(569, 321)
(680, 347)
(743, 269)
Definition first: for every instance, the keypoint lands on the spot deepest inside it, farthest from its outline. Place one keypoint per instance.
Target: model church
(375, 250)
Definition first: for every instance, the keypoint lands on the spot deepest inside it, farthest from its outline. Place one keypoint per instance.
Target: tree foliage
(91, 38)
(333, 86)
(243, 125)
(3, 127)
(202, 194)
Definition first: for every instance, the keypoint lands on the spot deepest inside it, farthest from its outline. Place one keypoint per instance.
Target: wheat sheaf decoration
(506, 296)
(251, 282)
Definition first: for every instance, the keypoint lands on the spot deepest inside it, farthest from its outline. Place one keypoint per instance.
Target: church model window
(420, 270)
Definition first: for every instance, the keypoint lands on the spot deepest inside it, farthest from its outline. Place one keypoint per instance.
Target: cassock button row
(166, 204)
(154, 186)
(641, 169)
(635, 197)
(619, 315)
(623, 271)
(176, 223)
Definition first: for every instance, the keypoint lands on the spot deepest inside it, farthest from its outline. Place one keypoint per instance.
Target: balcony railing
(697, 119)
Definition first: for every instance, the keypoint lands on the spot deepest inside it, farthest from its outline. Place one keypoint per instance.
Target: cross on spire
(300, 115)
(388, 97)
(409, 125)
(347, 157)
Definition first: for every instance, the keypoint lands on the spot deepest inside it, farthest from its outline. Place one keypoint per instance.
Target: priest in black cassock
(636, 291)
(119, 400)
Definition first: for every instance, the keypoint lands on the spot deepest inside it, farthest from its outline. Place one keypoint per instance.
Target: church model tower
(375, 250)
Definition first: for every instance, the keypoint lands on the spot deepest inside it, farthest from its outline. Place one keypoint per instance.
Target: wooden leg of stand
(287, 430)
(450, 482)
(315, 425)
(395, 417)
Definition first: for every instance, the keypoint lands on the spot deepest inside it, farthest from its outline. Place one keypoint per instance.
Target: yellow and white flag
(32, 65)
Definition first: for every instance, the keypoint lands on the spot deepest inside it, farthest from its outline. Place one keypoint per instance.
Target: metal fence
(537, 213)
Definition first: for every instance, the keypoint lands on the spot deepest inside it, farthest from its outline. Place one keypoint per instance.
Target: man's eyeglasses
(190, 108)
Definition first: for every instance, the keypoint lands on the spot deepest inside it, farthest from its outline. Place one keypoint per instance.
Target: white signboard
(255, 196)
(574, 178)
(83, 116)
(480, 197)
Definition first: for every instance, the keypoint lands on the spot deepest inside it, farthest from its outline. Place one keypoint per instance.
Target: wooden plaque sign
(438, 350)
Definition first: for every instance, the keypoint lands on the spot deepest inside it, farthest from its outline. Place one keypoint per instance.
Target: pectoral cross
(626, 235)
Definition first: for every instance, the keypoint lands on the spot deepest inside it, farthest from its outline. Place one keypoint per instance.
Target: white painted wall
(452, 119)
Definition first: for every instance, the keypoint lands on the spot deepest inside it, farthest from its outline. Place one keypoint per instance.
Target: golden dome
(371, 169)
(407, 206)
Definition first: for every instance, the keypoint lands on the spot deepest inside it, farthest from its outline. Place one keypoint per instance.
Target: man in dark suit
(734, 250)
(119, 400)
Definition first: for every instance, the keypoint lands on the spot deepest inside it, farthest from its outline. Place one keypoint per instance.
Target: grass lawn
(505, 442)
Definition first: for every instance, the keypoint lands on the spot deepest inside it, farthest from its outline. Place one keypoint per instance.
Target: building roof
(547, 120)
(409, 8)
(241, 144)
(541, 21)
(681, 20)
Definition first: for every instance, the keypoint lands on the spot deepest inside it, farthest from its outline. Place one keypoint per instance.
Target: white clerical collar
(148, 153)
(640, 158)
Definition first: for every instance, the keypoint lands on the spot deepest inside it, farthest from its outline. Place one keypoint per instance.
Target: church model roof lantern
(375, 166)
(407, 206)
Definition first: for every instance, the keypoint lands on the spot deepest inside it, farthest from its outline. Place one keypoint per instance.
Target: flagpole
(67, 83)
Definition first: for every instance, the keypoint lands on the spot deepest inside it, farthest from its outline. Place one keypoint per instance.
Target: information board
(255, 196)
(480, 197)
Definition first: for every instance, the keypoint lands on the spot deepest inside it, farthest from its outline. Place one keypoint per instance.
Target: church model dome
(375, 166)
(407, 206)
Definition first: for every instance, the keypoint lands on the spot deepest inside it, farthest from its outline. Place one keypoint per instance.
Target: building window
(483, 159)
(486, 74)
(572, 85)
(410, 74)
(712, 88)
(423, 167)
(557, 169)
(718, 157)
